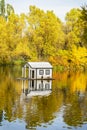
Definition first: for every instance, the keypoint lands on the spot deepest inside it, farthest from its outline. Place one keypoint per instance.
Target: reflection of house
(37, 70)
(40, 85)
(37, 87)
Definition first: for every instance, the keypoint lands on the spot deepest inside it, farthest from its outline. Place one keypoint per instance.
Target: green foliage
(5, 10)
(2, 7)
(84, 20)
(9, 9)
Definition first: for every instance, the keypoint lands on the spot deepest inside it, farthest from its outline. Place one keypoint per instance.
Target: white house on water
(37, 70)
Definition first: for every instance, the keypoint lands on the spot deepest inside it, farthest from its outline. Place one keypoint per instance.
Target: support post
(23, 86)
(22, 72)
(25, 72)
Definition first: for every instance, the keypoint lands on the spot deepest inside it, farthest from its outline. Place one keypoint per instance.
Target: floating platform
(22, 78)
(39, 93)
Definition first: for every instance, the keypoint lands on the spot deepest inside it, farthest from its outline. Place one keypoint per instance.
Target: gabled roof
(39, 65)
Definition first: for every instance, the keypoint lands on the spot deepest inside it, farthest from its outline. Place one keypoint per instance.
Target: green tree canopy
(84, 19)
(5, 10)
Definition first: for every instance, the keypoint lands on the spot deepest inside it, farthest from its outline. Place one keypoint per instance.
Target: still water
(60, 105)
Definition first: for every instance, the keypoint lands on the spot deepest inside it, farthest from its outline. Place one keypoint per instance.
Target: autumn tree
(17, 41)
(45, 32)
(73, 27)
(2, 7)
(84, 19)
(5, 9)
(40, 35)
(9, 9)
(4, 51)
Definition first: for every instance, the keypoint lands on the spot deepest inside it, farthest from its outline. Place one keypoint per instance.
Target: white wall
(30, 76)
(44, 75)
(37, 74)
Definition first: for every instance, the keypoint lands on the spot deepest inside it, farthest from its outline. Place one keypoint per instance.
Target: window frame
(47, 86)
(47, 72)
(41, 72)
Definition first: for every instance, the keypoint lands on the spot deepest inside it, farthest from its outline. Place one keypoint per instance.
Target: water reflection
(63, 108)
(39, 108)
(37, 87)
(74, 89)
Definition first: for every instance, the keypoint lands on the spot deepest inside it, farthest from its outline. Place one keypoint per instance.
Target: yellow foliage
(79, 55)
(42, 36)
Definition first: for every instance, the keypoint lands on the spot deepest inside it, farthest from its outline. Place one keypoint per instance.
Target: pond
(27, 105)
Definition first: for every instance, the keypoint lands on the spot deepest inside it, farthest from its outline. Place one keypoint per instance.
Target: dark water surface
(60, 105)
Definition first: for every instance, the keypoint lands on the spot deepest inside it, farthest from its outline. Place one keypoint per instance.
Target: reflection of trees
(76, 110)
(78, 82)
(72, 113)
(8, 92)
(68, 90)
(1, 115)
(75, 81)
(8, 96)
(43, 110)
(10, 72)
(34, 111)
(73, 87)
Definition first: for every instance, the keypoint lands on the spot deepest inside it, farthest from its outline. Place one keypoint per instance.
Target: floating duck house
(37, 70)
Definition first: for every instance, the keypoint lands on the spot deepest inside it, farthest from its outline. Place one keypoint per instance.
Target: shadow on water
(58, 104)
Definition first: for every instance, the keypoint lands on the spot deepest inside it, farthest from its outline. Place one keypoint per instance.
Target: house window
(47, 72)
(47, 86)
(41, 86)
(41, 72)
